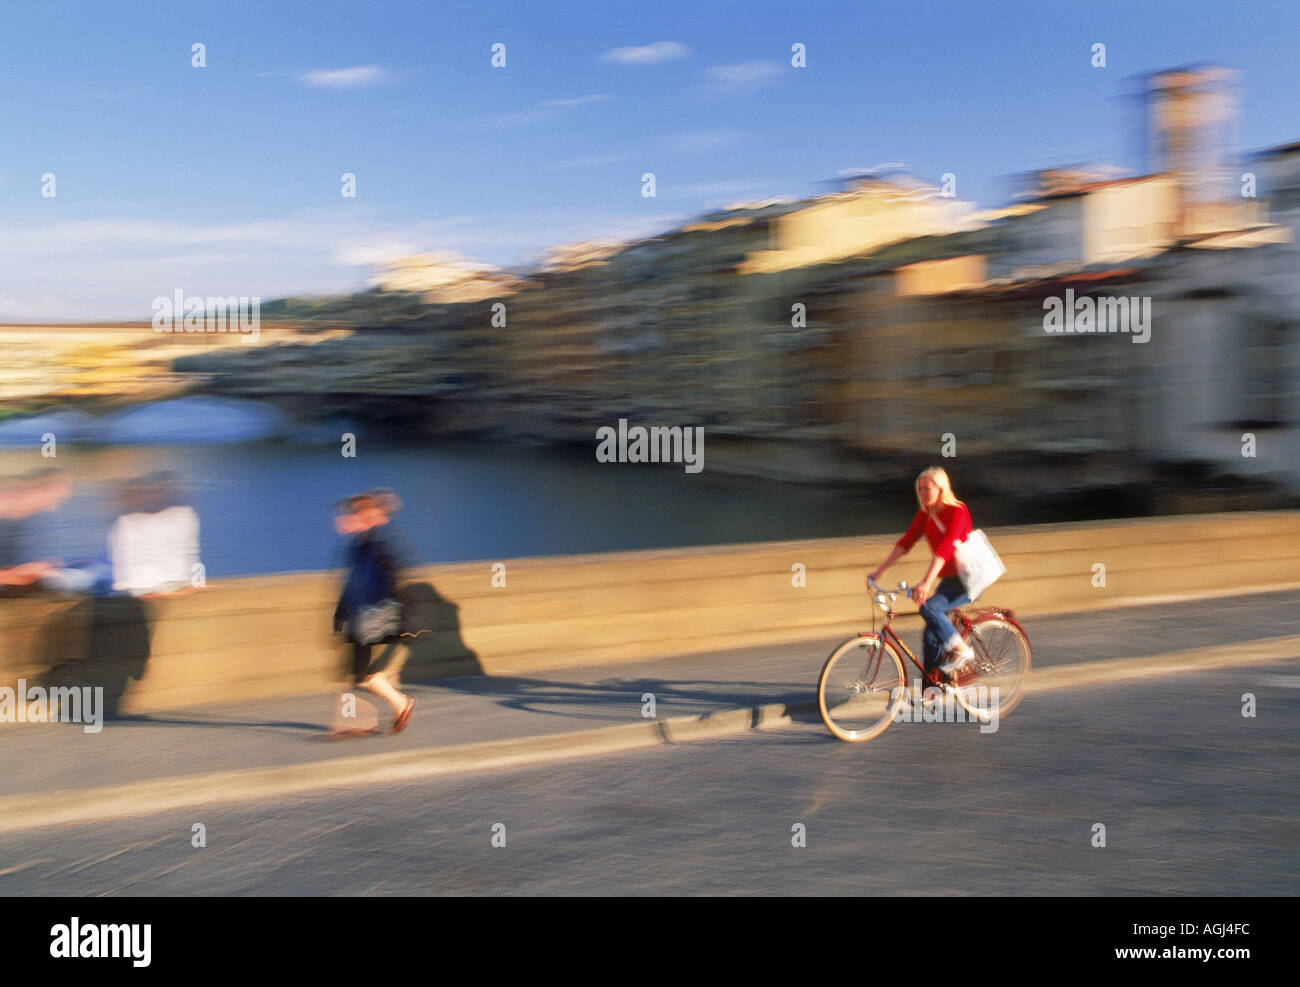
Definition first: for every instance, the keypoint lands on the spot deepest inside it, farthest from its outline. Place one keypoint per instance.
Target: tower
(1190, 134)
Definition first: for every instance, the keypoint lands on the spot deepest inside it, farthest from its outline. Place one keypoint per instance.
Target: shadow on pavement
(146, 719)
(551, 697)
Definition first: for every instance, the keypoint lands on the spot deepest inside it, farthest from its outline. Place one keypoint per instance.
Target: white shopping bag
(978, 566)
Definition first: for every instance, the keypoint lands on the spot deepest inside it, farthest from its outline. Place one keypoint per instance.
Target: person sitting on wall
(154, 543)
(20, 499)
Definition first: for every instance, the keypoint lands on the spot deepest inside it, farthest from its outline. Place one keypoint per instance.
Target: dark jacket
(375, 570)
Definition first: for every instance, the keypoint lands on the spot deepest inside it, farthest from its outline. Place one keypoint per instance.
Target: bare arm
(25, 574)
(894, 556)
(922, 589)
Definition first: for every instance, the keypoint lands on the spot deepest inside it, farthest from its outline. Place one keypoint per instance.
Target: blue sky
(226, 179)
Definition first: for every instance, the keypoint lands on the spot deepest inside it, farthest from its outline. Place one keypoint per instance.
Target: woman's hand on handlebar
(921, 592)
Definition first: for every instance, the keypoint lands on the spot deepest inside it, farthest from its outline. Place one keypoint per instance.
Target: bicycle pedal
(966, 675)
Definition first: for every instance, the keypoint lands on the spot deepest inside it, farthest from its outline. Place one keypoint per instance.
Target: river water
(264, 488)
(267, 506)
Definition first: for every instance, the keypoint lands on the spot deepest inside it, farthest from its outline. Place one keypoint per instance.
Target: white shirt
(154, 553)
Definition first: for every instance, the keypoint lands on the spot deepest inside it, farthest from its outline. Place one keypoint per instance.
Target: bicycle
(862, 683)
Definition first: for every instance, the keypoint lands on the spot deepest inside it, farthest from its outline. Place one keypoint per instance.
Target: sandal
(404, 717)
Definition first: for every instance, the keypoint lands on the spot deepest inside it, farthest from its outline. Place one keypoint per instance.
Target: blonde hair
(940, 477)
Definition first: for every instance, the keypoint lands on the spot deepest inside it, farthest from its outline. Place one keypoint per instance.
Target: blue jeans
(949, 593)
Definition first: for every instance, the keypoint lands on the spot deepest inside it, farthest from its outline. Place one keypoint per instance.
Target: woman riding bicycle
(945, 521)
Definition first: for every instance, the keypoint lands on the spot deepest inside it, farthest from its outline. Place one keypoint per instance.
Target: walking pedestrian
(368, 610)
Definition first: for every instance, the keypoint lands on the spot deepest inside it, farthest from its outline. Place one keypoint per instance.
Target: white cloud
(113, 268)
(349, 78)
(94, 270)
(714, 189)
(14, 310)
(373, 254)
(651, 54)
(82, 237)
(590, 161)
(871, 169)
(744, 76)
(705, 140)
(565, 104)
(545, 110)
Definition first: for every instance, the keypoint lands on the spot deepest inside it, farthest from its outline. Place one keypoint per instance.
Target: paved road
(1196, 799)
(281, 732)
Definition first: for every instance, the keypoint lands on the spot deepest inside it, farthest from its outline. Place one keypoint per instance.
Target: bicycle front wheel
(1002, 668)
(860, 685)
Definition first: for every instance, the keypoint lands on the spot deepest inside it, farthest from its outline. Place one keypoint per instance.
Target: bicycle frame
(960, 620)
(887, 632)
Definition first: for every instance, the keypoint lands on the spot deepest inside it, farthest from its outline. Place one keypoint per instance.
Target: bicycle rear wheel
(860, 685)
(1001, 673)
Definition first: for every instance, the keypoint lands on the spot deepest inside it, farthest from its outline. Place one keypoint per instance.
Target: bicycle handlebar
(902, 588)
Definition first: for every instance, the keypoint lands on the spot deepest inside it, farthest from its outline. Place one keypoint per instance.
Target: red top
(949, 526)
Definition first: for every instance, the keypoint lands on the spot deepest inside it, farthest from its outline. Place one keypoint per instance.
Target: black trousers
(360, 663)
